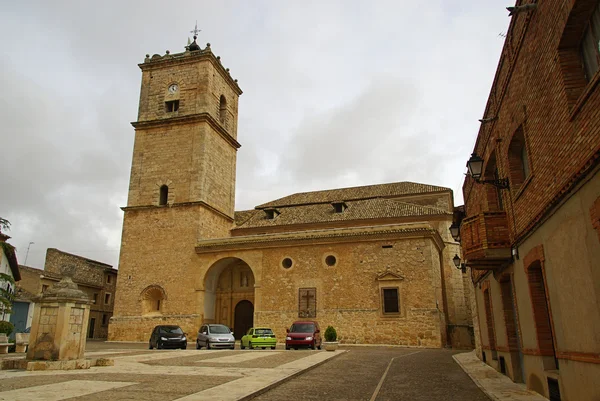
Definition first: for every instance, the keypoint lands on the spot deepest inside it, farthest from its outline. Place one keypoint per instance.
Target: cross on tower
(196, 30)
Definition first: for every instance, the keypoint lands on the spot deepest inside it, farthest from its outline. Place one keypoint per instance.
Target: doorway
(91, 329)
(244, 318)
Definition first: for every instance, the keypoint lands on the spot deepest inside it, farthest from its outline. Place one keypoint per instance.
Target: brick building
(531, 224)
(373, 261)
(96, 279)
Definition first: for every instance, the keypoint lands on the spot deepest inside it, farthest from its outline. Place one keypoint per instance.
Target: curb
(475, 380)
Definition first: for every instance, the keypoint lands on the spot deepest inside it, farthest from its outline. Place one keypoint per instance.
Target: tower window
(222, 108)
(164, 194)
(172, 106)
(272, 213)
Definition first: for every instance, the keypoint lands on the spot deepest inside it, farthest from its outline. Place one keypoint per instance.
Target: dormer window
(272, 213)
(172, 106)
(339, 207)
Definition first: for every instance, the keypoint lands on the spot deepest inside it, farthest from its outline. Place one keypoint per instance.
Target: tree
(4, 224)
(7, 283)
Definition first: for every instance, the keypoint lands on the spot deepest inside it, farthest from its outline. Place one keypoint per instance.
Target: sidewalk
(494, 384)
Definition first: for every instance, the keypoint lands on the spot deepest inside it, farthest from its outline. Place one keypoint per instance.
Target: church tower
(182, 185)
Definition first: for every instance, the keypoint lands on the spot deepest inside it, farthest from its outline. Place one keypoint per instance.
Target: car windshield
(262, 332)
(170, 330)
(219, 329)
(302, 328)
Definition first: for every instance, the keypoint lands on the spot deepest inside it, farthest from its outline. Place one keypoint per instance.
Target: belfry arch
(229, 282)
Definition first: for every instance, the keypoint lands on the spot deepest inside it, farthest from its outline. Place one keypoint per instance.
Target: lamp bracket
(500, 183)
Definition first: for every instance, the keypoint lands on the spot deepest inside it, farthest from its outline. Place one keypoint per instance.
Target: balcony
(485, 240)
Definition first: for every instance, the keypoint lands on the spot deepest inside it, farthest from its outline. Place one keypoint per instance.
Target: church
(375, 262)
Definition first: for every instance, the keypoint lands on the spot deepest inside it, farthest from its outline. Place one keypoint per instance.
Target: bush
(6, 327)
(330, 334)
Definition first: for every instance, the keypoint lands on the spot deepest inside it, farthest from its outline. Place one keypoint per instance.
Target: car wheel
(198, 345)
(242, 346)
(272, 347)
(287, 348)
(184, 346)
(158, 345)
(233, 347)
(312, 346)
(150, 345)
(207, 344)
(250, 345)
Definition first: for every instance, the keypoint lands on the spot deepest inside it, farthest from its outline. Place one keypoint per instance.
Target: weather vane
(196, 30)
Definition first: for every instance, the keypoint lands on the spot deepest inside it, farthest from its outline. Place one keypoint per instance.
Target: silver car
(215, 336)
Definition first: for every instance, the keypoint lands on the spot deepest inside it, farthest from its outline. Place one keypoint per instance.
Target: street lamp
(455, 231)
(460, 266)
(475, 166)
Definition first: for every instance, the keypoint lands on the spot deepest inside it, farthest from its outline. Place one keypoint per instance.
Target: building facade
(375, 262)
(531, 224)
(96, 279)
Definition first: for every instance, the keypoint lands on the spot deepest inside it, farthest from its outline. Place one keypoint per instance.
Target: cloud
(336, 93)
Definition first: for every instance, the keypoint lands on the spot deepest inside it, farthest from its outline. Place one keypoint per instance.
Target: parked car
(215, 336)
(303, 334)
(259, 337)
(168, 336)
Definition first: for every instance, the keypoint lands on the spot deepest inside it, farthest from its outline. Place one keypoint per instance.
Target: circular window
(330, 260)
(286, 263)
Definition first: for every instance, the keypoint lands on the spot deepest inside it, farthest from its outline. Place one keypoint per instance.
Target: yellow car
(259, 337)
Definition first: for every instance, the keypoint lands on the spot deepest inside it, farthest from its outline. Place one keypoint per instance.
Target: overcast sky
(336, 94)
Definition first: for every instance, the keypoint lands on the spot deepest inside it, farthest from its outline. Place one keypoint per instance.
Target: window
(272, 213)
(307, 302)
(164, 195)
(391, 303)
(330, 260)
(106, 299)
(44, 288)
(287, 263)
(108, 279)
(339, 207)
(590, 45)
(172, 106)
(104, 320)
(222, 108)
(518, 159)
(95, 299)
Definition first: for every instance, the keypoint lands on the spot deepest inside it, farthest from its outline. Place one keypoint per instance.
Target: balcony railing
(485, 240)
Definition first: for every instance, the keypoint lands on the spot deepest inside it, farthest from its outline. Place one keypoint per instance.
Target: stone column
(60, 321)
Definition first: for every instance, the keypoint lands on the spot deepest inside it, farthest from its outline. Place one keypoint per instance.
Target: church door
(244, 318)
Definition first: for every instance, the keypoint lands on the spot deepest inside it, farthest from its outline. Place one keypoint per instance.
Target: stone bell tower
(182, 186)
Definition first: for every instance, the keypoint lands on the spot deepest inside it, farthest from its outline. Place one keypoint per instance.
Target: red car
(303, 334)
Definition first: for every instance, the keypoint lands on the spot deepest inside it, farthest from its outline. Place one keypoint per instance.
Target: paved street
(358, 375)
(351, 373)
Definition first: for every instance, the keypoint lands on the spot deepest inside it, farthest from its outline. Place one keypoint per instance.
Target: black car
(167, 337)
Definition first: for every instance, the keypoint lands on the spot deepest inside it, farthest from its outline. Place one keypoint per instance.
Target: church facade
(375, 262)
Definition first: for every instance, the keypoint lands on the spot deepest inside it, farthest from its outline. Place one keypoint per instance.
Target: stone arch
(227, 282)
(152, 299)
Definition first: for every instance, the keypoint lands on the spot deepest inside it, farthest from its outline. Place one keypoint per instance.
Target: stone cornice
(354, 234)
(182, 204)
(167, 61)
(190, 119)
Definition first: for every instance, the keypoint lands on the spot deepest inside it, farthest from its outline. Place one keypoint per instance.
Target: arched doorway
(244, 318)
(228, 283)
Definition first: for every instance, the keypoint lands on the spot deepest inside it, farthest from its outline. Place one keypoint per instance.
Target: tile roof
(345, 194)
(324, 212)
